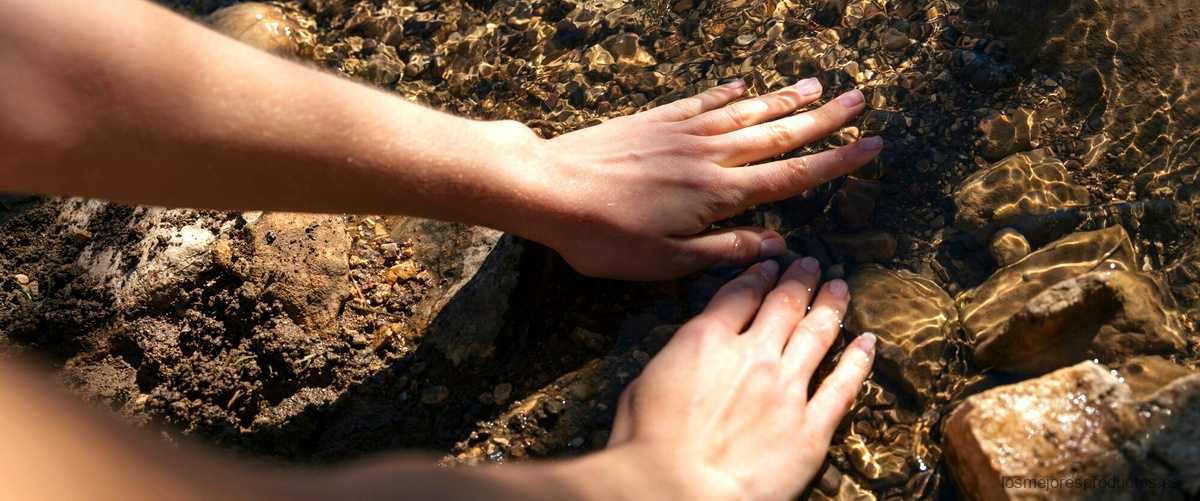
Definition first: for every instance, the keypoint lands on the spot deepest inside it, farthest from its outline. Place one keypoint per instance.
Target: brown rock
(1077, 433)
(259, 25)
(1107, 314)
(854, 203)
(1066, 424)
(912, 319)
(298, 259)
(893, 39)
(1019, 191)
(474, 272)
(1149, 373)
(1008, 246)
(986, 310)
(865, 247)
(1003, 136)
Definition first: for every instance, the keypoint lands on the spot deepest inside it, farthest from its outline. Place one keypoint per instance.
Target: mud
(390, 334)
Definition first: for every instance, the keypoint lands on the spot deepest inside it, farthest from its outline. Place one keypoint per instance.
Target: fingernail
(810, 265)
(808, 86)
(736, 84)
(866, 342)
(771, 247)
(768, 269)
(871, 143)
(838, 288)
(851, 99)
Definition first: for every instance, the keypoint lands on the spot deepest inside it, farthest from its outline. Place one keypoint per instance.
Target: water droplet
(808, 308)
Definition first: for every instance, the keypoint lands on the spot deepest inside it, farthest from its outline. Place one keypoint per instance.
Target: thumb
(730, 246)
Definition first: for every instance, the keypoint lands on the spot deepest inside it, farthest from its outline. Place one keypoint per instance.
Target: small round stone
(259, 25)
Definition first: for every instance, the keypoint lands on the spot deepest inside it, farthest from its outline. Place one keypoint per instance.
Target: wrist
(522, 189)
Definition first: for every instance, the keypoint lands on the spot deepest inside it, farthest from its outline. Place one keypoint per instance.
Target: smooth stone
(854, 203)
(1079, 424)
(1008, 246)
(893, 39)
(1004, 135)
(1106, 315)
(864, 247)
(259, 25)
(1020, 191)
(912, 319)
(986, 309)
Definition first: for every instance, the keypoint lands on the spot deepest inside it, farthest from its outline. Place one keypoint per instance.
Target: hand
(634, 197)
(723, 411)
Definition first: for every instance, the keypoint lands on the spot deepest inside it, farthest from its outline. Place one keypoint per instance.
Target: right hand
(634, 197)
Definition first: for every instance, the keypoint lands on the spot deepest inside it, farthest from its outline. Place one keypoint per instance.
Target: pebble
(21, 278)
(435, 395)
(502, 392)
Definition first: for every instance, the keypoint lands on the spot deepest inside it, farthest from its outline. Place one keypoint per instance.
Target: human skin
(723, 412)
(126, 101)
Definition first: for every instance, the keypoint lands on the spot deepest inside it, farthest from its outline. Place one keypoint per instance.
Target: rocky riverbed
(1025, 248)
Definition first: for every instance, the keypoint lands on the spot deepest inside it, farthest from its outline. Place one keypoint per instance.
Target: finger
(837, 392)
(622, 421)
(789, 177)
(737, 301)
(813, 335)
(689, 107)
(770, 139)
(738, 246)
(757, 110)
(785, 305)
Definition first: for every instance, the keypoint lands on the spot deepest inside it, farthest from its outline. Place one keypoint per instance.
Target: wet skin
(723, 412)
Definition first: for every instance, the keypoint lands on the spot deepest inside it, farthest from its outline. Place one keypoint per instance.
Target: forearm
(46, 434)
(156, 109)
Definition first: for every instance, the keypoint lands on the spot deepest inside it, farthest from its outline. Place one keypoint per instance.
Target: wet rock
(829, 12)
(1008, 246)
(259, 25)
(1021, 191)
(1003, 136)
(986, 309)
(298, 259)
(1065, 424)
(1147, 374)
(475, 271)
(893, 39)
(854, 203)
(913, 320)
(1106, 314)
(435, 395)
(864, 247)
(1081, 425)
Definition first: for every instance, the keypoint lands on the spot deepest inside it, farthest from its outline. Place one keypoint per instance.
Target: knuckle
(706, 327)
(778, 135)
(797, 171)
(737, 116)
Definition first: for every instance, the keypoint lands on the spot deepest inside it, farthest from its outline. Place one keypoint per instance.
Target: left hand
(634, 197)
